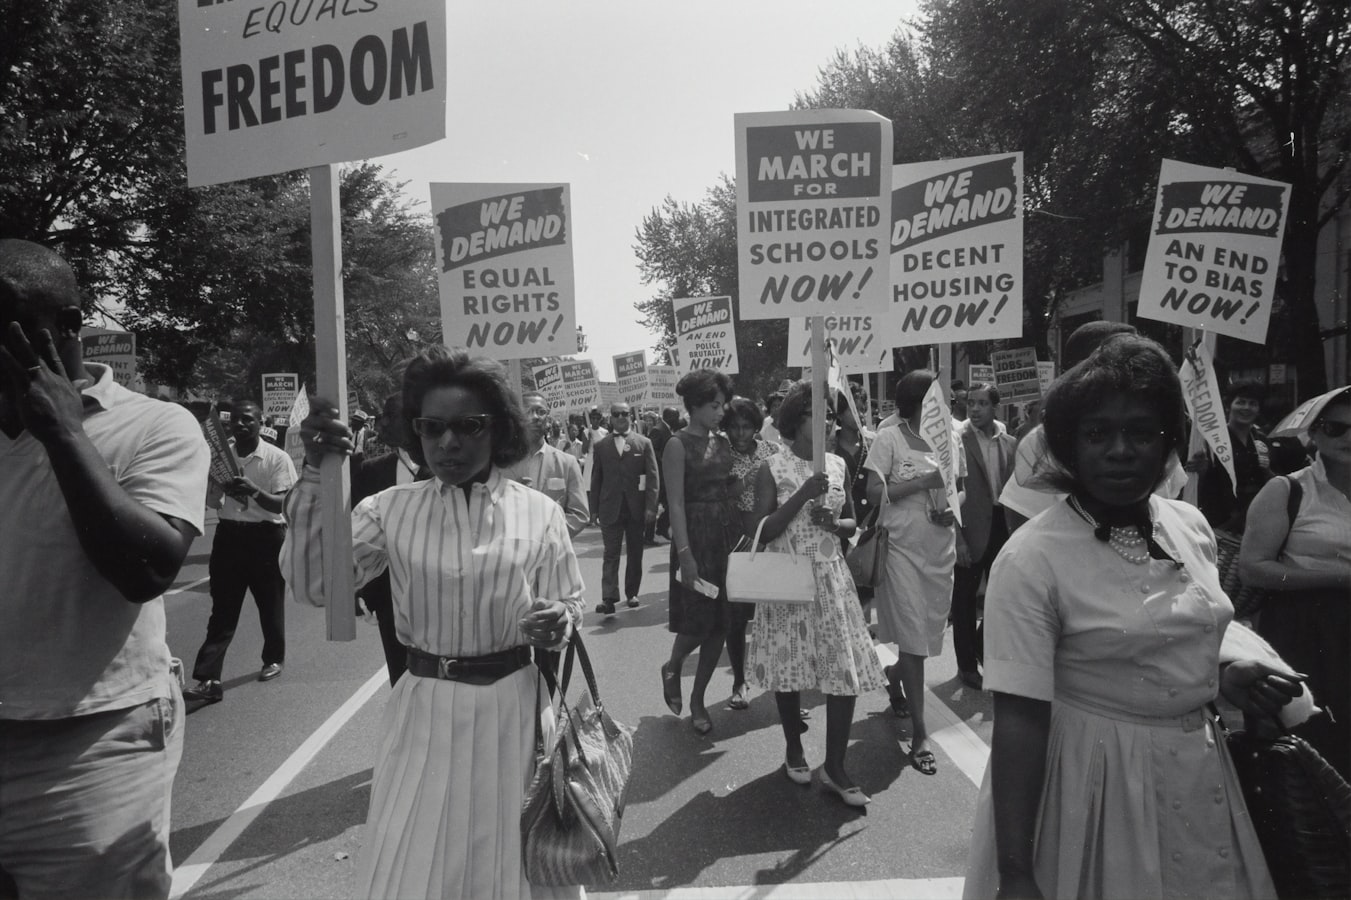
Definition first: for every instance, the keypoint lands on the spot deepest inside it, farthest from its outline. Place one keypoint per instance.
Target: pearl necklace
(1125, 540)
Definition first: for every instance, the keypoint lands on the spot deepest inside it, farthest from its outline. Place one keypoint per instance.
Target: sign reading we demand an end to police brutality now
(504, 266)
(813, 212)
(957, 250)
(1213, 250)
(274, 86)
(706, 334)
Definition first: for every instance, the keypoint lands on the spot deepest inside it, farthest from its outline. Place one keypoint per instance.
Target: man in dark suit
(624, 481)
(989, 452)
(659, 434)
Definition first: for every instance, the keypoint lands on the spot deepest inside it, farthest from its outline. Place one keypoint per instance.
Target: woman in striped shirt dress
(482, 569)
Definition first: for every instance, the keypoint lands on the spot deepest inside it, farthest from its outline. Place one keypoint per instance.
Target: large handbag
(755, 576)
(867, 559)
(1248, 600)
(1301, 810)
(575, 803)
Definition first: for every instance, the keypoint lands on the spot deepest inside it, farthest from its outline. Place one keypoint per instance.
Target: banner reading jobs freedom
(706, 334)
(274, 86)
(957, 250)
(813, 211)
(1213, 250)
(504, 267)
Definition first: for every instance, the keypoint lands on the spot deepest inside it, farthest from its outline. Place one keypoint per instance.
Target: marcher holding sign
(813, 210)
(905, 475)
(1214, 248)
(504, 268)
(957, 250)
(706, 334)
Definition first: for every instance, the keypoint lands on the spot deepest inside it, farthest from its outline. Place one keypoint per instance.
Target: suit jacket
(556, 474)
(982, 493)
(615, 479)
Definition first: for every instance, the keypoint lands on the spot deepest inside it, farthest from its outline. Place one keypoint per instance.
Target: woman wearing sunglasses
(482, 570)
(1306, 564)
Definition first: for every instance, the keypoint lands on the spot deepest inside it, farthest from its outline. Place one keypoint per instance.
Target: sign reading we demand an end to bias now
(813, 212)
(504, 268)
(957, 250)
(1214, 248)
(274, 86)
(706, 334)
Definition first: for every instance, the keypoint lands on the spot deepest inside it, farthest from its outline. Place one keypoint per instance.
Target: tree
(689, 250)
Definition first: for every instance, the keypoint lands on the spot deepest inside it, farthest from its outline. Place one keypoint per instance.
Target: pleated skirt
(450, 778)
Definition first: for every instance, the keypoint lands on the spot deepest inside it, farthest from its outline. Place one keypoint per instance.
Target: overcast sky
(627, 102)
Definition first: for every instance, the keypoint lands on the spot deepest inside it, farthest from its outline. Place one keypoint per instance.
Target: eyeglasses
(620, 415)
(469, 426)
(1330, 428)
(537, 412)
(1135, 435)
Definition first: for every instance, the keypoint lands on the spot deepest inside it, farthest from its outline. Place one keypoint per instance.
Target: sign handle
(820, 362)
(331, 368)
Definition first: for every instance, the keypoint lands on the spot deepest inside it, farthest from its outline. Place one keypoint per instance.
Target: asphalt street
(272, 792)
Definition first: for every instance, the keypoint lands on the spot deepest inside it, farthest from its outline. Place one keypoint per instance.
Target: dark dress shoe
(270, 671)
(973, 680)
(204, 692)
(606, 608)
(632, 603)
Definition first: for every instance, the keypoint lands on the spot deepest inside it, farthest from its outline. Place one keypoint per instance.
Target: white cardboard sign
(706, 334)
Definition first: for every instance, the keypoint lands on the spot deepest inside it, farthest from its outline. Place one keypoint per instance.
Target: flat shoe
(738, 700)
(670, 690)
(853, 796)
(924, 761)
(798, 774)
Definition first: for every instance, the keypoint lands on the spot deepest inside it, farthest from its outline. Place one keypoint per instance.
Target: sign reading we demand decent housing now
(813, 212)
(1213, 250)
(957, 250)
(504, 267)
(270, 87)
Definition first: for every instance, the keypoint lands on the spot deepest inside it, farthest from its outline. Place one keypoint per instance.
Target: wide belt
(468, 669)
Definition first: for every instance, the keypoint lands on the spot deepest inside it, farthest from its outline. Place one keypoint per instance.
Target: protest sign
(504, 268)
(661, 384)
(979, 373)
(957, 250)
(1214, 247)
(224, 465)
(549, 382)
(706, 334)
(813, 211)
(607, 393)
(1205, 407)
(279, 393)
(270, 87)
(1015, 374)
(292, 444)
(631, 374)
(857, 347)
(935, 427)
(114, 349)
(1045, 375)
(580, 388)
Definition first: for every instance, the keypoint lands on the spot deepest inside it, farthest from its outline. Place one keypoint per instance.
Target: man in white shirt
(244, 555)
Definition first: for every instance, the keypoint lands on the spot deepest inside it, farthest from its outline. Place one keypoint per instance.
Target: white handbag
(761, 577)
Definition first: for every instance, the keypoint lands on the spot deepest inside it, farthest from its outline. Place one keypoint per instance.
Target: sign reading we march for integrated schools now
(813, 212)
(957, 250)
(270, 87)
(706, 334)
(504, 268)
(1214, 247)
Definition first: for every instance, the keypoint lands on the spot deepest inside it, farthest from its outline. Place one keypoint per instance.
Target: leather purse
(756, 576)
(867, 559)
(574, 805)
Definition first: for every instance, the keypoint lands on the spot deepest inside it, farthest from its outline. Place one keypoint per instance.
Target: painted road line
(190, 872)
(187, 587)
(891, 889)
(962, 745)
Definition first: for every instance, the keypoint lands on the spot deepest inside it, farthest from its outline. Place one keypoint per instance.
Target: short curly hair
(1125, 365)
(438, 367)
(701, 386)
(739, 409)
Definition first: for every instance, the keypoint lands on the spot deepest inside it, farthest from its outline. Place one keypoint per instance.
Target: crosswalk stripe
(962, 745)
(891, 889)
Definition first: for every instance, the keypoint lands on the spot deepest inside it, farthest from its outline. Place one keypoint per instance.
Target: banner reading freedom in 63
(813, 210)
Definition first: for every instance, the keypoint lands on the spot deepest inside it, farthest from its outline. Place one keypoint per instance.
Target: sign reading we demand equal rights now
(957, 250)
(813, 212)
(1213, 250)
(504, 268)
(270, 87)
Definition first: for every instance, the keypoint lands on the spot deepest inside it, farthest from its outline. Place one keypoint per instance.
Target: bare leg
(736, 653)
(911, 670)
(790, 719)
(839, 721)
(710, 651)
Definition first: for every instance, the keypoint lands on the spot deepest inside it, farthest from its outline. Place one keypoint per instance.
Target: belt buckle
(443, 667)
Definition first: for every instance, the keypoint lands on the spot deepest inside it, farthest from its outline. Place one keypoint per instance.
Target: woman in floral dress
(822, 645)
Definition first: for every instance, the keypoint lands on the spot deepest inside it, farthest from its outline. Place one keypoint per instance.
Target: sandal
(924, 761)
(670, 689)
(738, 700)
